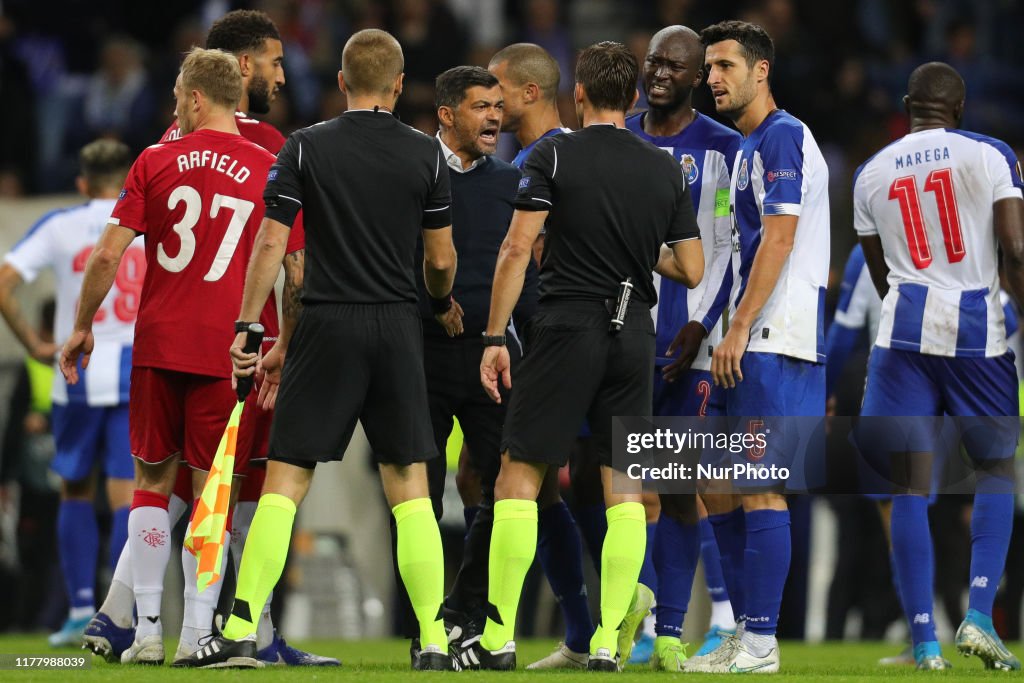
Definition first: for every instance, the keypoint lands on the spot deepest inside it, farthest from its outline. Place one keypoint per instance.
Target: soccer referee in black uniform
(369, 187)
(611, 202)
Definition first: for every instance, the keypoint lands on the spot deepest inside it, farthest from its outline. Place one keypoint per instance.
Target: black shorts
(349, 362)
(574, 368)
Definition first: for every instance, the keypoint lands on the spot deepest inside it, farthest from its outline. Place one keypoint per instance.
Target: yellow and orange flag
(205, 536)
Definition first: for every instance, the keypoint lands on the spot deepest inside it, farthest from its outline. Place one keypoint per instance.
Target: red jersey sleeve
(130, 209)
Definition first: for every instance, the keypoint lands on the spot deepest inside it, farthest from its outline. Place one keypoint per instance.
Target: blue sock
(561, 556)
(79, 541)
(991, 526)
(766, 564)
(676, 550)
(731, 534)
(118, 533)
(593, 526)
(712, 563)
(896, 578)
(648, 575)
(915, 564)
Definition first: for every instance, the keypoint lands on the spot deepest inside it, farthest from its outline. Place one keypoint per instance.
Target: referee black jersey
(614, 199)
(367, 184)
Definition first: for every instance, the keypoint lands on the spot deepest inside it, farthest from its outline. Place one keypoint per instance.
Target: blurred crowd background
(75, 70)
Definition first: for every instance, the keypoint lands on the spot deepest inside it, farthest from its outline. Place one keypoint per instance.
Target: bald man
(688, 326)
(932, 210)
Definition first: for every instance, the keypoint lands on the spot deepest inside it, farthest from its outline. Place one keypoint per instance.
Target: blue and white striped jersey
(859, 306)
(704, 150)
(62, 240)
(781, 171)
(929, 197)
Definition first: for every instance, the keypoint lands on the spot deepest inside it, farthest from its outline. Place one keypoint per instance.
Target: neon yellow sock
(621, 557)
(513, 545)
(266, 548)
(421, 564)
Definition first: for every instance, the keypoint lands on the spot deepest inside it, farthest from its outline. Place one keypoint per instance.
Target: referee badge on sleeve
(524, 182)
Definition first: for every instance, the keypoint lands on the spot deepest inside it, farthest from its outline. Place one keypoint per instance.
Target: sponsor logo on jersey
(690, 169)
(781, 174)
(743, 178)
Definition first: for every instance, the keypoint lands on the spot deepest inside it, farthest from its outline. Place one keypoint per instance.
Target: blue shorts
(777, 385)
(694, 394)
(981, 392)
(86, 435)
(775, 388)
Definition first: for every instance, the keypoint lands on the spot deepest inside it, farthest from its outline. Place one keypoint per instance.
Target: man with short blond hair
(197, 200)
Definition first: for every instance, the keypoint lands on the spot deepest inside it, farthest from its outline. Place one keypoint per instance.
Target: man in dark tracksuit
(469, 103)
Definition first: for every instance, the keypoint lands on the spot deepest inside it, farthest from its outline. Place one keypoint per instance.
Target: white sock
(265, 626)
(648, 625)
(76, 613)
(199, 607)
(241, 520)
(759, 644)
(721, 616)
(119, 604)
(149, 535)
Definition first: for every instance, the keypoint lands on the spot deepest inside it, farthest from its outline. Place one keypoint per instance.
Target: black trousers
(454, 391)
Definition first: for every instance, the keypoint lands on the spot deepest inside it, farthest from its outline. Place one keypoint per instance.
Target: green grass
(387, 661)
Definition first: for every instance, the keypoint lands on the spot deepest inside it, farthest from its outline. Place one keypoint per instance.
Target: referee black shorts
(349, 362)
(574, 368)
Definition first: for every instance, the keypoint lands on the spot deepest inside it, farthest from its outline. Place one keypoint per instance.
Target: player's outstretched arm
(776, 245)
(1008, 217)
(874, 256)
(99, 277)
(10, 279)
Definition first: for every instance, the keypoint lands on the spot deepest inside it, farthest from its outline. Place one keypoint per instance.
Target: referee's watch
(242, 325)
(493, 339)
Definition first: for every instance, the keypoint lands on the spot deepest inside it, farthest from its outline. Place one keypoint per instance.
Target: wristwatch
(493, 339)
(242, 325)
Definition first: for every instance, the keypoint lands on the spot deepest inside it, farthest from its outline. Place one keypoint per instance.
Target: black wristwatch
(493, 339)
(243, 325)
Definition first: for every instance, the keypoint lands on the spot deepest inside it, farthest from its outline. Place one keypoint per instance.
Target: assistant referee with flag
(369, 186)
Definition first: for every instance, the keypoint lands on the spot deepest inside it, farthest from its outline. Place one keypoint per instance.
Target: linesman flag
(205, 536)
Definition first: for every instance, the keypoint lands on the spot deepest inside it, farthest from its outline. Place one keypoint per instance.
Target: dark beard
(259, 96)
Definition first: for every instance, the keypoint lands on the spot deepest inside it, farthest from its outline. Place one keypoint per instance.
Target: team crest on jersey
(743, 179)
(690, 169)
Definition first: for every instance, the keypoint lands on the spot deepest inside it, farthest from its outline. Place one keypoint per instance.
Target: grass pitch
(387, 661)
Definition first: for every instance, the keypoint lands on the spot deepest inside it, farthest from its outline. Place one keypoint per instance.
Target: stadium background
(74, 70)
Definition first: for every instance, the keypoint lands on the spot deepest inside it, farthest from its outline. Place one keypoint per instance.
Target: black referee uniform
(368, 184)
(613, 199)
